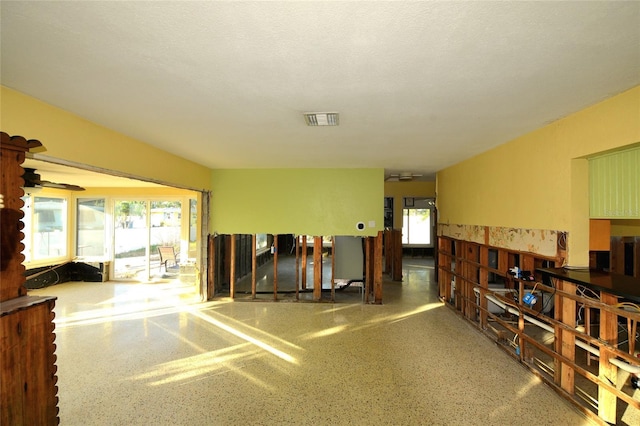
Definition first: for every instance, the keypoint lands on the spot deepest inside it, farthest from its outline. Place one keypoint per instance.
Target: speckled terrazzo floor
(141, 354)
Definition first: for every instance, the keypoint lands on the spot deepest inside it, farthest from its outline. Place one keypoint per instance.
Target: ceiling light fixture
(321, 118)
(403, 177)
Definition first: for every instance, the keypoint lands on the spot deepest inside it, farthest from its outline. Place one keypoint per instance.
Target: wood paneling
(317, 268)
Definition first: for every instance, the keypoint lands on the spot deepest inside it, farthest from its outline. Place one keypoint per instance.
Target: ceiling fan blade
(32, 179)
(66, 186)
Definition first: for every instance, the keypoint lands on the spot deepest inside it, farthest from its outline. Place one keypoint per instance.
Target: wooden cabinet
(27, 351)
(28, 362)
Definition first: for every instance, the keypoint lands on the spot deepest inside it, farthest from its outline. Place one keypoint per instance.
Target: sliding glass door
(417, 222)
(131, 240)
(91, 228)
(166, 219)
(141, 227)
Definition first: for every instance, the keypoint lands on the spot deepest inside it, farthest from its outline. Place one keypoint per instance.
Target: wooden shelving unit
(466, 268)
(578, 334)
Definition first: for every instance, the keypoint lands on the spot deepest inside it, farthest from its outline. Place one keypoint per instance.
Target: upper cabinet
(614, 185)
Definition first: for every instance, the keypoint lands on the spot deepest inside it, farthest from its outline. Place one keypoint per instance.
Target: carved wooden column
(11, 267)
(28, 394)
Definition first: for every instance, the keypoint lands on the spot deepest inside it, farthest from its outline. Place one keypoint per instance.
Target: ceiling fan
(402, 177)
(32, 180)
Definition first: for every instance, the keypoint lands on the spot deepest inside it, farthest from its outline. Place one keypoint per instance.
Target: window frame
(29, 209)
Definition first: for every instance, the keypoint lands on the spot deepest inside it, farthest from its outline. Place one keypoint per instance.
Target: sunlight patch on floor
(257, 342)
(204, 364)
(324, 333)
(399, 316)
(126, 312)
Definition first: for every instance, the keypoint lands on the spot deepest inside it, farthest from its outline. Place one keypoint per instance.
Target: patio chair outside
(168, 258)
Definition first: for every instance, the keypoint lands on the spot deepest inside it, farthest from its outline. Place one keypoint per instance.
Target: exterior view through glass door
(417, 222)
(131, 240)
(166, 217)
(141, 227)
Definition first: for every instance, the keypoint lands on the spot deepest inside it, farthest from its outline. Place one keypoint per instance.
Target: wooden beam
(317, 268)
(484, 284)
(275, 267)
(211, 258)
(607, 372)
(388, 251)
(225, 254)
(377, 269)
(557, 331)
(397, 255)
(368, 275)
(333, 269)
(297, 244)
(304, 262)
(568, 339)
(232, 267)
(254, 267)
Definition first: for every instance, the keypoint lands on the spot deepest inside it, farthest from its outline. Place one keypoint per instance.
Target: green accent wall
(297, 201)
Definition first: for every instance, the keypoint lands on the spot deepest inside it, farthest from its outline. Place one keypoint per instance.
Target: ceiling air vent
(321, 118)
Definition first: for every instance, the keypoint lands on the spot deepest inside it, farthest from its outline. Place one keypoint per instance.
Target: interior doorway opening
(116, 227)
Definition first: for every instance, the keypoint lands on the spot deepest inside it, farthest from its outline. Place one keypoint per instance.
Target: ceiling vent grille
(321, 118)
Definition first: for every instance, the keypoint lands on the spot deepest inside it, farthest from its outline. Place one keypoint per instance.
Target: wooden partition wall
(393, 253)
(222, 267)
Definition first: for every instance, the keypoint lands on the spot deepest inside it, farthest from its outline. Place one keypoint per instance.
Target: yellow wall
(540, 180)
(625, 228)
(69, 137)
(400, 190)
(297, 201)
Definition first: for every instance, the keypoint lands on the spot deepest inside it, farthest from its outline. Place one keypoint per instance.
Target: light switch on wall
(372, 224)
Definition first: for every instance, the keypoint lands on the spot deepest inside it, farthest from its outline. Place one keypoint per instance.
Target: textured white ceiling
(419, 85)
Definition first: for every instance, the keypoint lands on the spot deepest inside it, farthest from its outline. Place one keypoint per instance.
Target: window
(90, 235)
(416, 222)
(45, 228)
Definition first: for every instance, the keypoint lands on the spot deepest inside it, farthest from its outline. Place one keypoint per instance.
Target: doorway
(418, 224)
